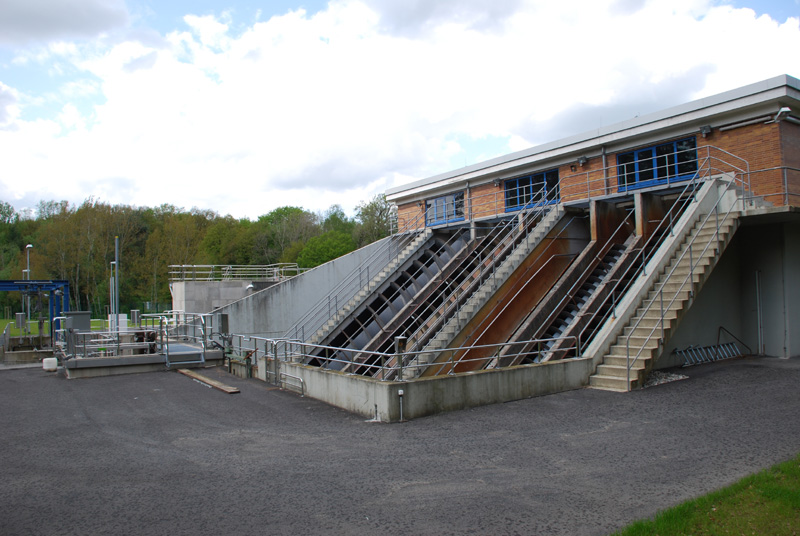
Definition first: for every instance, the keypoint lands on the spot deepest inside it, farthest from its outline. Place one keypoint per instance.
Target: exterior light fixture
(705, 130)
(582, 160)
(496, 182)
(783, 112)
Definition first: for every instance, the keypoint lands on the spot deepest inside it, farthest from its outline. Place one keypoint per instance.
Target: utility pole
(28, 273)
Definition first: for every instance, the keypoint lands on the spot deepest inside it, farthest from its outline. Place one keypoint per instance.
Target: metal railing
(382, 366)
(596, 183)
(711, 166)
(618, 236)
(358, 279)
(688, 249)
(152, 336)
(504, 302)
(229, 272)
(515, 231)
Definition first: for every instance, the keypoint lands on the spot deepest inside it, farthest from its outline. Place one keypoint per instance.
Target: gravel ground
(162, 454)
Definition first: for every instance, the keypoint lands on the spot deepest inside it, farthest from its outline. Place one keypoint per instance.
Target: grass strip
(764, 503)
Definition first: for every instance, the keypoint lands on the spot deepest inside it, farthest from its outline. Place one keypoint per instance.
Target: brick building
(667, 239)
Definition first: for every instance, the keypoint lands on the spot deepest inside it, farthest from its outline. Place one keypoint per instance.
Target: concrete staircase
(374, 283)
(642, 335)
(479, 297)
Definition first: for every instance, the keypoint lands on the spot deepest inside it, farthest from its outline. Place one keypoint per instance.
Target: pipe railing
(382, 367)
(527, 277)
(358, 279)
(688, 250)
(229, 272)
(711, 167)
(514, 232)
(622, 231)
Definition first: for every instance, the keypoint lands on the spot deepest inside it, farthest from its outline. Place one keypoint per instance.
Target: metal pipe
(759, 317)
(116, 281)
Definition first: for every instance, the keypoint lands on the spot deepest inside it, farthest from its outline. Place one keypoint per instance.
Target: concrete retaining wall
(375, 399)
(271, 312)
(205, 296)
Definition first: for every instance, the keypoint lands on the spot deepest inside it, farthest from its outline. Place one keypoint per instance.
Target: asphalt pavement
(159, 453)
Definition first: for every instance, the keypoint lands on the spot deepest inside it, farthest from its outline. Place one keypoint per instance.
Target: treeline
(76, 243)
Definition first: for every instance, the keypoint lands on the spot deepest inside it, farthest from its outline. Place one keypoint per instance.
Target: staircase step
(609, 383)
(621, 371)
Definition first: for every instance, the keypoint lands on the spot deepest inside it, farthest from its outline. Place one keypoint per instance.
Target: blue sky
(240, 106)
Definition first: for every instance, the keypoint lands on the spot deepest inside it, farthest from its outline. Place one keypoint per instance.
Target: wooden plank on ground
(208, 381)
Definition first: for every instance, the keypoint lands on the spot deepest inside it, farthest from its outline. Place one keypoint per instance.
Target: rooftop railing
(230, 272)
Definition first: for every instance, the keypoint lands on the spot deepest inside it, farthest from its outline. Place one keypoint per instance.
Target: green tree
(334, 219)
(276, 231)
(373, 220)
(325, 247)
(227, 241)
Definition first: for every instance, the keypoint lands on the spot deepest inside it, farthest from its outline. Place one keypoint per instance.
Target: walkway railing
(229, 272)
(348, 287)
(381, 366)
(718, 218)
(153, 335)
(597, 182)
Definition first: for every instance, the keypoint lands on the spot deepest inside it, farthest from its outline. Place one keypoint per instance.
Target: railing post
(399, 350)
(275, 361)
(661, 300)
(628, 364)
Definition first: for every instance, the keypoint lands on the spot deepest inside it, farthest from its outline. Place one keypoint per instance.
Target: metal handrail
(294, 350)
(349, 286)
(726, 330)
(570, 294)
(230, 272)
(643, 254)
(517, 230)
(454, 238)
(638, 264)
(505, 304)
(690, 277)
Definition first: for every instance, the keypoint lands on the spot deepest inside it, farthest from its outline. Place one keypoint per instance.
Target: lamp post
(28, 272)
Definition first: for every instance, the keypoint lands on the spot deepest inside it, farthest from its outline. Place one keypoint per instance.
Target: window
(662, 164)
(531, 190)
(445, 209)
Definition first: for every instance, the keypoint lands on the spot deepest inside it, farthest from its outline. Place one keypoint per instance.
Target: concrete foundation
(375, 399)
(93, 367)
(24, 356)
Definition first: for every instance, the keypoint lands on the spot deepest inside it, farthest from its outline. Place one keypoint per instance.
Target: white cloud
(335, 107)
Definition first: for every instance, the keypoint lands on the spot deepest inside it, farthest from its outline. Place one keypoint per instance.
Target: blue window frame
(660, 164)
(531, 190)
(445, 209)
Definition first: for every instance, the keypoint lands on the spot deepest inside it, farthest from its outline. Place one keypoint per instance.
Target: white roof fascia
(692, 114)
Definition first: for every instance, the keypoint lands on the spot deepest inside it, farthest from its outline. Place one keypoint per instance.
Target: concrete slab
(157, 454)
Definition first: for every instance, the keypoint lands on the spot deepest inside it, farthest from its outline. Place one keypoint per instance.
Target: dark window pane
(687, 156)
(626, 169)
(537, 188)
(645, 165)
(511, 193)
(458, 205)
(665, 161)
